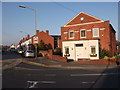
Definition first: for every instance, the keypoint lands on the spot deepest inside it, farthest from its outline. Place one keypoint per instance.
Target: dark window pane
(79, 45)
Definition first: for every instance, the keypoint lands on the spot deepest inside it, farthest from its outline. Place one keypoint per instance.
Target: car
(20, 51)
(29, 53)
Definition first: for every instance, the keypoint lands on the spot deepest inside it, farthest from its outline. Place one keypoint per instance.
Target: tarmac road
(31, 76)
(26, 75)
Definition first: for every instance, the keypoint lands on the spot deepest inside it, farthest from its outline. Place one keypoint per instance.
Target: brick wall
(44, 53)
(44, 36)
(106, 36)
(100, 61)
(56, 57)
(87, 18)
(50, 55)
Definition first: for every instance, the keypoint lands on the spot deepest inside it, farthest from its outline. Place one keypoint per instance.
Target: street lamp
(22, 6)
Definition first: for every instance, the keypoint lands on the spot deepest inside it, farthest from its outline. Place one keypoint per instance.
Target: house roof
(83, 18)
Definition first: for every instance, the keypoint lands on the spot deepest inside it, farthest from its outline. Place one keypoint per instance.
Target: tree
(41, 45)
(117, 43)
(103, 53)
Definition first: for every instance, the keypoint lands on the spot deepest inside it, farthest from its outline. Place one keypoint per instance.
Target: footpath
(45, 62)
(50, 63)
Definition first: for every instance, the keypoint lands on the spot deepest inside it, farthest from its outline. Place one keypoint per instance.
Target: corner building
(84, 36)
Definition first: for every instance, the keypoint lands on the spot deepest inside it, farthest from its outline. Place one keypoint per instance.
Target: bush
(41, 45)
(115, 53)
(113, 57)
(106, 57)
(57, 51)
(103, 53)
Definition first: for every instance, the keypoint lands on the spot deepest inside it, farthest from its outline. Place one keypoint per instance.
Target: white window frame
(73, 34)
(93, 32)
(91, 50)
(85, 33)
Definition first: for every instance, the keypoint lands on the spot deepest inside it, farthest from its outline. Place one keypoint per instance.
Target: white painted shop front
(81, 49)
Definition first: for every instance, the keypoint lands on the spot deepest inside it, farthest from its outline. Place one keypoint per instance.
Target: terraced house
(84, 36)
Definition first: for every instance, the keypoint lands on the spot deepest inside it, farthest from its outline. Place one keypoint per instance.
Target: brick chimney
(37, 32)
(28, 36)
(47, 32)
(23, 39)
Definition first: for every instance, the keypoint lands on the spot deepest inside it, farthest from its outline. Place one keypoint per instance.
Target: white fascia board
(83, 24)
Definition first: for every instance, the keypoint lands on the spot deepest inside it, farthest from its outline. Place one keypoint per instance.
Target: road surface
(30, 76)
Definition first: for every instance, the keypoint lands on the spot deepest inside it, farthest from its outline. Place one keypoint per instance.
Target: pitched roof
(83, 18)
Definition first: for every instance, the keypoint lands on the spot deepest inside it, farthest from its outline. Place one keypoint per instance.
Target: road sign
(35, 40)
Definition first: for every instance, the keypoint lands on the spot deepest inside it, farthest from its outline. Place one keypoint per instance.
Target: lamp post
(34, 14)
(22, 6)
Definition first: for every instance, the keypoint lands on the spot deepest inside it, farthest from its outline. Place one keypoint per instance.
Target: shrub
(115, 53)
(113, 57)
(106, 57)
(103, 53)
(41, 45)
(57, 51)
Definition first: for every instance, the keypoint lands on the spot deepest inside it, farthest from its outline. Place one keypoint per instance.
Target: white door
(80, 51)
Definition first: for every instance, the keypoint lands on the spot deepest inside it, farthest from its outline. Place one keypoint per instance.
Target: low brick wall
(50, 55)
(56, 57)
(100, 61)
(44, 53)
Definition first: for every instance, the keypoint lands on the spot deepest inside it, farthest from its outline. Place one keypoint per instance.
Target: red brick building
(50, 40)
(45, 37)
(84, 36)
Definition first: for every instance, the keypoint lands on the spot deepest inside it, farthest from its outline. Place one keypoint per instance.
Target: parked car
(20, 51)
(29, 53)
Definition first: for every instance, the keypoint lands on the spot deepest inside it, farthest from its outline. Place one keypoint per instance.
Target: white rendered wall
(86, 49)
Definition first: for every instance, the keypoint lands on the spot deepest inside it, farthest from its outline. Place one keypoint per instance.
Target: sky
(50, 16)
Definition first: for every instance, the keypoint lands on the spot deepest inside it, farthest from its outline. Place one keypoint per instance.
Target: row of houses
(81, 38)
(40, 35)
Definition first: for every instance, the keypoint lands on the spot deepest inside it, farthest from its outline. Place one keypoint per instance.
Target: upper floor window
(83, 33)
(71, 34)
(95, 32)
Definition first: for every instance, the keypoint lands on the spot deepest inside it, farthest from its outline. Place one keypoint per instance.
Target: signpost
(35, 41)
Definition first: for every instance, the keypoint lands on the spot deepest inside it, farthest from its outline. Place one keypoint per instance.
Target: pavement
(45, 62)
(11, 59)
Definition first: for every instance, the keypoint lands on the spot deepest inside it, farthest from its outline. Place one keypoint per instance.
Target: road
(30, 76)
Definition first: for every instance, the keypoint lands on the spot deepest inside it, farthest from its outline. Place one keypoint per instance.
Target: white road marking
(50, 82)
(32, 84)
(50, 74)
(88, 82)
(104, 74)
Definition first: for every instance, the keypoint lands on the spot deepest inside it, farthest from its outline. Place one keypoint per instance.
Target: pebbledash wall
(85, 35)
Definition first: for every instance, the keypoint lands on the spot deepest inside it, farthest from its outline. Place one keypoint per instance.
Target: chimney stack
(28, 36)
(47, 32)
(37, 32)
